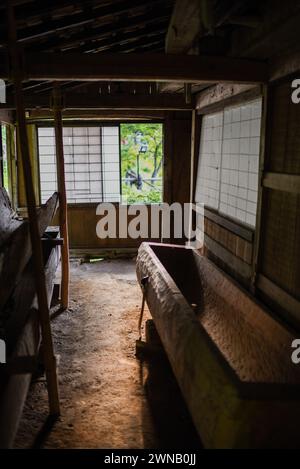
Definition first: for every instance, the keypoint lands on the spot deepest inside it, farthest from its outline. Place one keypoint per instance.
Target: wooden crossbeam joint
(57, 99)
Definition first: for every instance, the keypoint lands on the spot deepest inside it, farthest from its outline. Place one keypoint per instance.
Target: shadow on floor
(173, 424)
(44, 432)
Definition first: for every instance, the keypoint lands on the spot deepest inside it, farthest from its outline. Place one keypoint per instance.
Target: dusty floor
(109, 399)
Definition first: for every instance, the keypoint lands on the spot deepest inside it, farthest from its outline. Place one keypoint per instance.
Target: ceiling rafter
(109, 44)
(107, 30)
(53, 27)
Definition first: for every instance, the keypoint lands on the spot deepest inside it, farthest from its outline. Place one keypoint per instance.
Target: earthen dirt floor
(109, 399)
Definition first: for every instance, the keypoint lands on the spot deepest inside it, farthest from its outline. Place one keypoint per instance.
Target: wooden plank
(280, 240)
(232, 261)
(281, 297)
(24, 296)
(232, 226)
(22, 365)
(85, 17)
(192, 171)
(139, 67)
(230, 241)
(284, 65)
(37, 115)
(63, 210)
(23, 339)
(103, 31)
(78, 101)
(14, 392)
(221, 95)
(260, 203)
(282, 182)
(15, 244)
(6, 116)
(9, 221)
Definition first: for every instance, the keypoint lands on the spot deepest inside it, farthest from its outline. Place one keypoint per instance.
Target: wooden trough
(231, 358)
(19, 319)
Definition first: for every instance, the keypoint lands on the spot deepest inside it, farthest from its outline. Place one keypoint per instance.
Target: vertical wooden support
(37, 253)
(63, 214)
(264, 145)
(192, 162)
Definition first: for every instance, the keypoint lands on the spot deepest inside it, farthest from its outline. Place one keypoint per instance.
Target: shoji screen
(91, 163)
(229, 160)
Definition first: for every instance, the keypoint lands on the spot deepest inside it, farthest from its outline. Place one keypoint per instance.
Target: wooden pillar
(37, 253)
(61, 182)
(192, 176)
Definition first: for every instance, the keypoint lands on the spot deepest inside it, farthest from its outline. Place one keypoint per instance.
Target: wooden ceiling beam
(126, 38)
(140, 43)
(138, 67)
(77, 101)
(46, 8)
(16, 3)
(152, 46)
(53, 26)
(108, 30)
(37, 115)
(185, 25)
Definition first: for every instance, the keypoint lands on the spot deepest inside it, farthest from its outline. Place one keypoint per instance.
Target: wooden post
(192, 162)
(37, 253)
(264, 147)
(63, 215)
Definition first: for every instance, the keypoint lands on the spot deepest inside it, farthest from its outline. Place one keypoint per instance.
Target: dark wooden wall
(279, 253)
(230, 246)
(178, 128)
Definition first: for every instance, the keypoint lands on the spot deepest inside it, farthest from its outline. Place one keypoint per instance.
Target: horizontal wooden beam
(233, 262)
(171, 102)
(139, 67)
(284, 65)
(223, 93)
(282, 182)
(234, 227)
(279, 296)
(37, 115)
(6, 116)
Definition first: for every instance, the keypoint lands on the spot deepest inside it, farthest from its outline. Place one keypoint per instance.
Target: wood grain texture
(230, 358)
(22, 335)
(151, 67)
(15, 247)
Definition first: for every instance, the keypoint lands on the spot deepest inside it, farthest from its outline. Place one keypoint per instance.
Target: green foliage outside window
(141, 162)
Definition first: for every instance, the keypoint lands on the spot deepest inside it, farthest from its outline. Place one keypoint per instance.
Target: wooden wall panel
(284, 150)
(32, 141)
(278, 270)
(178, 156)
(280, 249)
(82, 222)
(230, 251)
(232, 242)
